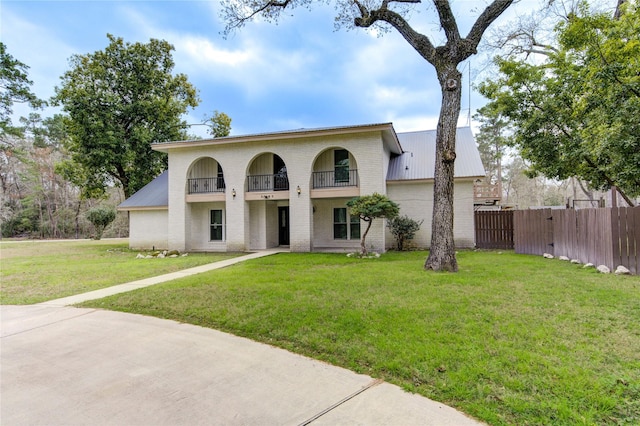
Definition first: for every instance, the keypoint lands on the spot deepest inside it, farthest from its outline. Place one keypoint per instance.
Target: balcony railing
(335, 179)
(205, 185)
(277, 182)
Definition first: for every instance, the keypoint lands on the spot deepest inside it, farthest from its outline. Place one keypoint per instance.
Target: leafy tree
(493, 139)
(369, 207)
(384, 14)
(575, 113)
(219, 124)
(14, 88)
(404, 229)
(120, 100)
(101, 217)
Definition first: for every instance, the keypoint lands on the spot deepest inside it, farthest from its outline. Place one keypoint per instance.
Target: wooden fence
(604, 236)
(494, 229)
(533, 231)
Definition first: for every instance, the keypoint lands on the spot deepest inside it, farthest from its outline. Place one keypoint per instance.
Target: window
(354, 227)
(343, 230)
(341, 165)
(220, 181)
(340, 224)
(217, 226)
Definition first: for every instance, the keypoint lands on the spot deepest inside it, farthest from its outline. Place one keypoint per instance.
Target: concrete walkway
(62, 365)
(146, 282)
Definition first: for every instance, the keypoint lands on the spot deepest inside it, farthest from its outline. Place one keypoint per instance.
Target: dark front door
(283, 226)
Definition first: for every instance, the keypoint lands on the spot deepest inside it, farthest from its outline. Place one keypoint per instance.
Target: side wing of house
(148, 215)
(410, 184)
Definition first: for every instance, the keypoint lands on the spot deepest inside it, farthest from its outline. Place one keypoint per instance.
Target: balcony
(263, 183)
(335, 179)
(486, 194)
(205, 185)
(202, 190)
(335, 183)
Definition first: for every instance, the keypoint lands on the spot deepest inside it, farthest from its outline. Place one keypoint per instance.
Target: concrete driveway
(70, 366)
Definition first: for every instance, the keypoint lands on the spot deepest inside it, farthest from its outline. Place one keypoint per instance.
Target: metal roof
(155, 194)
(417, 162)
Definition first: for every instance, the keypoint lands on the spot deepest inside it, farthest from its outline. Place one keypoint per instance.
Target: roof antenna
(469, 114)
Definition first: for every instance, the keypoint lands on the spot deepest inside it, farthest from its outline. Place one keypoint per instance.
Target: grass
(510, 339)
(36, 271)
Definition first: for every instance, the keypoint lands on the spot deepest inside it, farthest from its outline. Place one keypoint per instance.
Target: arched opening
(205, 176)
(267, 172)
(334, 168)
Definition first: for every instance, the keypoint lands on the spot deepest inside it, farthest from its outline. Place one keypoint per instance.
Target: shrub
(101, 217)
(403, 229)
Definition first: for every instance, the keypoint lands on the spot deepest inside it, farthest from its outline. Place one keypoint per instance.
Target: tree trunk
(78, 217)
(442, 255)
(363, 245)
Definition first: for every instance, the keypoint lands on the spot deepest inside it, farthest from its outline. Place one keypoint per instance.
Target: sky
(299, 73)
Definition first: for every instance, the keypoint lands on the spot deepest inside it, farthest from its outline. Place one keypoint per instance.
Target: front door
(283, 226)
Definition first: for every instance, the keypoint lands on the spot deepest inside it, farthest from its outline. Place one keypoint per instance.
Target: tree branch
(447, 20)
(615, 75)
(237, 20)
(490, 14)
(609, 180)
(418, 41)
(385, 3)
(618, 13)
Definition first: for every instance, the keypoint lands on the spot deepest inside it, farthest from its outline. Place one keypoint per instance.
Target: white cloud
(255, 68)
(246, 61)
(204, 54)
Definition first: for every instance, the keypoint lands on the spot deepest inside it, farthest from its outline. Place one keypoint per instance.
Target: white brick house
(242, 193)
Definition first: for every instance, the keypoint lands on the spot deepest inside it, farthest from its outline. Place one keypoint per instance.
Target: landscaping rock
(547, 256)
(603, 269)
(368, 256)
(589, 265)
(160, 254)
(575, 261)
(564, 258)
(621, 270)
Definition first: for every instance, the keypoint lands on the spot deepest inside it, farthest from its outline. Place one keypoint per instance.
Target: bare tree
(445, 60)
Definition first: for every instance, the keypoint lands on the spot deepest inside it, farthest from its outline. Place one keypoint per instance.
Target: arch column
(178, 215)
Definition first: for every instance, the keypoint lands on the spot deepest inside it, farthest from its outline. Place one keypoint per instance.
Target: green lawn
(510, 339)
(36, 271)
